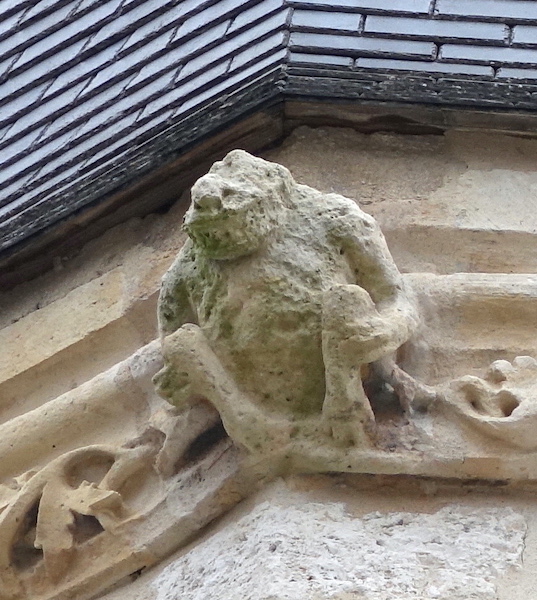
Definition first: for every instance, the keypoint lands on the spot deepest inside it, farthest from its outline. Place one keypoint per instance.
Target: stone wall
(458, 212)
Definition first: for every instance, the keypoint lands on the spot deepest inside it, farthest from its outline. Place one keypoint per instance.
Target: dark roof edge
(252, 116)
(468, 92)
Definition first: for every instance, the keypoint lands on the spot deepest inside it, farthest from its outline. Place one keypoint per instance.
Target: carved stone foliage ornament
(76, 517)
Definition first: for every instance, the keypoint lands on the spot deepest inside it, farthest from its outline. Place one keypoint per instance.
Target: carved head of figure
(236, 205)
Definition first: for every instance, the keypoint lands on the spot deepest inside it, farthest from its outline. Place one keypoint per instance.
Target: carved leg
(411, 393)
(351, 336)
(194, 372)
(181, 429)
(347, 413)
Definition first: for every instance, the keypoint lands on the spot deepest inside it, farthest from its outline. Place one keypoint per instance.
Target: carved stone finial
(277, 301)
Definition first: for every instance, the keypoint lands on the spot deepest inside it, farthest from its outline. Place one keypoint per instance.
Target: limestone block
(295, 551)
(46, 332)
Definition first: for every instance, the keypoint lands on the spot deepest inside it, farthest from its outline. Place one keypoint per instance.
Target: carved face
(235, 206)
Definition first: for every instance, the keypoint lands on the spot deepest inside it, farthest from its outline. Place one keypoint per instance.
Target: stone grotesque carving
(279, 320)
(274, 306)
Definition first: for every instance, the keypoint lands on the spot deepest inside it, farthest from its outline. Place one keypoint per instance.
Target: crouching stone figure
(275, 303)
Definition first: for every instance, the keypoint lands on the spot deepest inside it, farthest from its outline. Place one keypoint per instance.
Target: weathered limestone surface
(57, 326)
(344, 539)
(458, 215)
(273, 307)
(380, 556)
(461, 202)
(285, 334)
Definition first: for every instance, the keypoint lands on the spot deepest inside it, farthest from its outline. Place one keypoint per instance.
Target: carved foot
(347, 415)
(412, 394)
(349, 429)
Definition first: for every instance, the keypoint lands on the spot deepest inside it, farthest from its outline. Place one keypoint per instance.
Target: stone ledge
(47, 331)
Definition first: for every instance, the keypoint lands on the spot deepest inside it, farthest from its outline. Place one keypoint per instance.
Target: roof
(96, 94)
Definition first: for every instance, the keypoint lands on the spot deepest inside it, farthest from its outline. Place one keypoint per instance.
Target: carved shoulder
(361, 240)
(345, 219)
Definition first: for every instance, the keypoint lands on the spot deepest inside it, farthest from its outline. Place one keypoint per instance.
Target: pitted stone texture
(274, 303)
(320, 551)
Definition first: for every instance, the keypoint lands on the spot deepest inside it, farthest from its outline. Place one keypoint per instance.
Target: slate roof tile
(258, 50)
(489, 54)
(435, 29)
(358, 45)
(424, 67)
(5, 67)
(316, 19)
(28, 78)
(134, 136)
(203, 41)
(39, 186)
(4, 131)
(128, 64)
(23, 103)
(166, 63)
(233, 44)
(84, 5)
(29, 161)
(248, 17)
(20, 146)
(85, 108)
(406, 6)
(192, 86)
(83, 70)
(103, 134)
(229, 82)
(154, 27)
(126, 22)
(44, 7)
(23, 37)
(8, 24)
(320, 59)
(28, 203)
(514, 73)
(15, 6)
(213, 13)
(525, 34)
(8, 209)
(488, 9)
